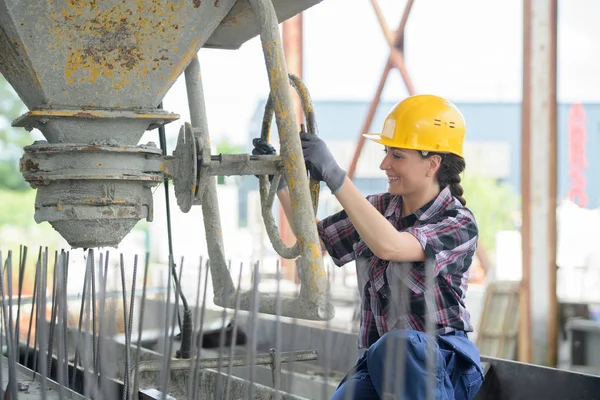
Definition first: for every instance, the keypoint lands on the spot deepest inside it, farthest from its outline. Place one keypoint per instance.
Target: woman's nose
(384, 163)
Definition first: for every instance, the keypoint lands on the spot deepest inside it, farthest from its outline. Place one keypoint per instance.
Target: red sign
(577, 158)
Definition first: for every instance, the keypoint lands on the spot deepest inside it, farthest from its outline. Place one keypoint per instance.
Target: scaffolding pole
(538, 308)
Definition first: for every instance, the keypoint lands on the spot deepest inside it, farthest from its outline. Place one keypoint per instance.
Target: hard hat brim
(377, 138)
(385, 141)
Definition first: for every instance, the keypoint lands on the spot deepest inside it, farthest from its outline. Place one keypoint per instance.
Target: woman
(422, 217)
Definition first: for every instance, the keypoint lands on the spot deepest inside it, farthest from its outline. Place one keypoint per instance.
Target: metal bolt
(22, 386)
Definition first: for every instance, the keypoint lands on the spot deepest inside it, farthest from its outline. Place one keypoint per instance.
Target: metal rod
(134, 387)
(253, 331)
(125, 325)
(313, 274)
(237, 361)
(31, 313)
(61, 325)
(292, 34)
(210, 202)
(22, 263)
(196, 364)
(53, 307)
(95, 363)
(7, 321)
(40, 326)
(222, 335)
(234, 332)
(173, 269)
(430, 327)
(242, 164)
(195, 343)
(166, 356)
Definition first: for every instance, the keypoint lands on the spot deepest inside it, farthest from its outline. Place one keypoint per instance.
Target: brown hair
(449, 172)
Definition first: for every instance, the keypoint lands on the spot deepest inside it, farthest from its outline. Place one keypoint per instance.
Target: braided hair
(449, 172)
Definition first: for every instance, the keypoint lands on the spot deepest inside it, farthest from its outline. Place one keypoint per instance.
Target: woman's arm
(379, 234)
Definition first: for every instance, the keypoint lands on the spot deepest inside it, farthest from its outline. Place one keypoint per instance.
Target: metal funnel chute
(92, 74)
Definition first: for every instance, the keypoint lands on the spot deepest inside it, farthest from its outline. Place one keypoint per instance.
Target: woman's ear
(434, 164)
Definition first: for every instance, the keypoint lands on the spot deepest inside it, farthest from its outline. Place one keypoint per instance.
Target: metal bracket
(192, 164)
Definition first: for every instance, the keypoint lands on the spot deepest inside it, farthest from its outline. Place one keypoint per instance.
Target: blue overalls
(458, 371)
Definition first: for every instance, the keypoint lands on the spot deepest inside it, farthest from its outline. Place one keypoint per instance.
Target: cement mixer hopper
(92, 74)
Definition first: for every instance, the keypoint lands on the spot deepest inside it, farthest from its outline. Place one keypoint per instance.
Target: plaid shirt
(393, 294)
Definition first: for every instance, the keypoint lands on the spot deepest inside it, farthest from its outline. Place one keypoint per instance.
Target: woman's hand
(320, 162)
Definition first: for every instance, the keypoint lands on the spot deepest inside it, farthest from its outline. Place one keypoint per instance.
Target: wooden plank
(498, 329)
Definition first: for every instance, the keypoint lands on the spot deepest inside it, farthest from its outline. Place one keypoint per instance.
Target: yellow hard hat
(423, 122)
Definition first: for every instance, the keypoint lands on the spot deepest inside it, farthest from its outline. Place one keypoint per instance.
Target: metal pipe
(238, 361)
(210, 202)
(314, 280)
(292, 38)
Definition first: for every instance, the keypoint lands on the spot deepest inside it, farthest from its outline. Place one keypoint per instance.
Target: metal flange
(92, 194)
(185, 167)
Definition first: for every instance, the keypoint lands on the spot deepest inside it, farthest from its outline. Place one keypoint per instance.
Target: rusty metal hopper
(92, 74)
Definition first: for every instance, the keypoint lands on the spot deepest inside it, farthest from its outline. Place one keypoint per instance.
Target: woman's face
(407, 172)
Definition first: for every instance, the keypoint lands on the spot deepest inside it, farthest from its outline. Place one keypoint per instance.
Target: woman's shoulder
(458, 213)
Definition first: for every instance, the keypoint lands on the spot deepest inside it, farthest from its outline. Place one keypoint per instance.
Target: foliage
(226, 147)
(495, 206)
(12, 140)
(17, 208)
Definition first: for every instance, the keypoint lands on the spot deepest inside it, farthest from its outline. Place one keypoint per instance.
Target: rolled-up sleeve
(451, 240)
(338, 235)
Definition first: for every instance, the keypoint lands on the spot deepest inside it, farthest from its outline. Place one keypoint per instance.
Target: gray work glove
(320, 163)
(261, 148)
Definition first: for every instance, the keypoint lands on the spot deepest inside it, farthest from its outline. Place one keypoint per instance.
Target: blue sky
(467, 50)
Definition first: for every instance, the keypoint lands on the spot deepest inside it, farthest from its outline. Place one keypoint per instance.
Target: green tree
(495, 205)
(12, 140)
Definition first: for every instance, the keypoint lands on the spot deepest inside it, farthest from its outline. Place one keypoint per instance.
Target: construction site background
(476, 60)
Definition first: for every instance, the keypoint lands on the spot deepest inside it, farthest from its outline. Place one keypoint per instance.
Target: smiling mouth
(392, 179)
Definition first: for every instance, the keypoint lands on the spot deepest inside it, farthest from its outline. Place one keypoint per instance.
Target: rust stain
(185, 60)
(84, 114)
(114, 40)
(31, 166)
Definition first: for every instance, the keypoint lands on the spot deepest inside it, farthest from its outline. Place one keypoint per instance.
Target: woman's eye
(394, 155)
